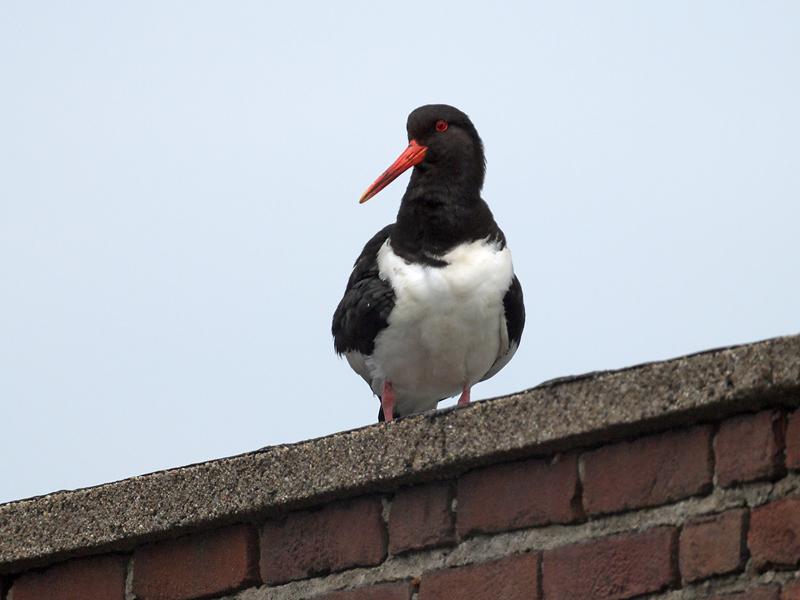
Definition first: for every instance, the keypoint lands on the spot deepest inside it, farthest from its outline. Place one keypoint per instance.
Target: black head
(454, 147)
(444, 149)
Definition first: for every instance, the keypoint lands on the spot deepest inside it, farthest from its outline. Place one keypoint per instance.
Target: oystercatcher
(432, 306)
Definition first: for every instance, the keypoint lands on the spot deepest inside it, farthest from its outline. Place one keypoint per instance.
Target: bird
(432, 305)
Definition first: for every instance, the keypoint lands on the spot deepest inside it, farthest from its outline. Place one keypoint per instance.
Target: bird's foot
(464, 399)
(387, 401)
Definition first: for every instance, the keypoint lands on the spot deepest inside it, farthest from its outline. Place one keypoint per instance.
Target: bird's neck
(436, 217)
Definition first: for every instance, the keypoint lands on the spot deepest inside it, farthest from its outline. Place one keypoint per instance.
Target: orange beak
(411, 156)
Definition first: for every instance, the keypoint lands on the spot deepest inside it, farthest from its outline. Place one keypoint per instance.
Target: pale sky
(179, 215)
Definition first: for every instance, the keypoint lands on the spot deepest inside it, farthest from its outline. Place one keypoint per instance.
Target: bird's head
(443, 146)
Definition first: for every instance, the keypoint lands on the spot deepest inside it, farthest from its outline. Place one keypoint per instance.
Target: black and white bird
(432, 306)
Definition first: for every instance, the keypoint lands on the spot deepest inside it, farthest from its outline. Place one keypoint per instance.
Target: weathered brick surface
(421, 517)
(774, 534)
(341, 535)
(512, 578)
(648, 471)
(713, 545)
(387, 591)
(765, 592)
(621, 566)
(793, 441)
(791, 591)
(95, 578)
(518, 494)
(198, 565)
(750, 447)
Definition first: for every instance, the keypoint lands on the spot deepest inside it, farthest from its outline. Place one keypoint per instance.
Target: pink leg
(387, 401)
(464, 399)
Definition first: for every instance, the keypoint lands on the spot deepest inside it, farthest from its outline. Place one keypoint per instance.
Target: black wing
(366, 304)
(514, 313)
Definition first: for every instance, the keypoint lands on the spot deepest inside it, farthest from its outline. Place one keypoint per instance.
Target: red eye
(441, 125)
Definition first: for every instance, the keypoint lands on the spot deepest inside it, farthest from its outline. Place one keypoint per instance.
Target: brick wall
(709, 508)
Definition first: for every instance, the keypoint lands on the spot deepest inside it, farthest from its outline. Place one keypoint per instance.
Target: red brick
(512, 578)
(519, 494)
(791, 590)
(201, 564)
(766, 592)
(387, 591)
(339, 536)
(774, 535)
(615, 567)
(421, 518)
(793, 441)
(648, 471)
(713, 545)
(95, 578)
(750, 447)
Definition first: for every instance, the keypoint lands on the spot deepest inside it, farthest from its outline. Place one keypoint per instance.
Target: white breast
(447, 328)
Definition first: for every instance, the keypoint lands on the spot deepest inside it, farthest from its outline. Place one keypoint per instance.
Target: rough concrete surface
(554, 416)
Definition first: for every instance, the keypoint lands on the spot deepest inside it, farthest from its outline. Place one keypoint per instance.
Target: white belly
(447, 328)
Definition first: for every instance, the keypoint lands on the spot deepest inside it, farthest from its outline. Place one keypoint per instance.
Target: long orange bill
(411, 156)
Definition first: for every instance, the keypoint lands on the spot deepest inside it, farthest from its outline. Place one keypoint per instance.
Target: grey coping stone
(552, 417)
